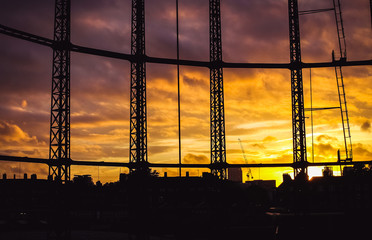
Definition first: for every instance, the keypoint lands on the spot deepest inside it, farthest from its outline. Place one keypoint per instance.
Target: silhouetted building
(328, 207)
(327, 172)
(123, 177)
(235, 174)
(329, 193)
(83, 179)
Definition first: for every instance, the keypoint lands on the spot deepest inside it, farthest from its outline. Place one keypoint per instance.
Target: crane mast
(340, 84)
(249, 173)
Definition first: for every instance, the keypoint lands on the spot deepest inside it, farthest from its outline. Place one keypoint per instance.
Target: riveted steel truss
(138, 111)
(217, 111)
(298, 111)
(59, 150)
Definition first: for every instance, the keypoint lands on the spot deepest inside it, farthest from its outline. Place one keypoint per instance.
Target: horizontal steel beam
(128, 57)
(26, 36)
(170, 165)
(102, 53)
(23, 159)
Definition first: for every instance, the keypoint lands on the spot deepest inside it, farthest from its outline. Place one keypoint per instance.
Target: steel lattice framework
(217, 111)
(298, 111)
(59, 155)
(138, 111)
(59, 150)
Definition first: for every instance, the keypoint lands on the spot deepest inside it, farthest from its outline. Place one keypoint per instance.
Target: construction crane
(249, 173)
(340, 84)
(341, 56)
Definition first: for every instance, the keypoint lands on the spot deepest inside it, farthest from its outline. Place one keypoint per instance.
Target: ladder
(348, 156)
(340, 29)
(344, 117)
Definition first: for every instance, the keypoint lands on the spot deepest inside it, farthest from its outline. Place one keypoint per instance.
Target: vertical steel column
(298, 112)
(138, 111)
(370, 10)
(178, 94)
(217, 111)
(59, 148)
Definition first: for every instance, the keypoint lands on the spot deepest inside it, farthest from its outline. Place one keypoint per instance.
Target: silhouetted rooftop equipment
(327, 172)
(235, 174)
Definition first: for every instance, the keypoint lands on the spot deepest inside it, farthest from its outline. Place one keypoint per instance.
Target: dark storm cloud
(325, 149)
(165, 72)
(258, 145)
(159, 149)
(363, 151)
(285, 158)
(357, 29)
(161, 28)
(25, 73)
(366, 126)
(193, 29)
(24, 67)
(27, 59)
(193, 81)
(97, 78)
(258, 30)
(325, 138)
(36, 16)
(13, 134)
(16, 141)
(192, 158)
(97, 87)
(253, 30)
(35, 123)
(101, 24)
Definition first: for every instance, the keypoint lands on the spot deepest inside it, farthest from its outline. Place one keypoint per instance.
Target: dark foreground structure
(150, 207)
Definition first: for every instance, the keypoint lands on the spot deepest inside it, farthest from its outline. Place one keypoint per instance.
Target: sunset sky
(257, 101)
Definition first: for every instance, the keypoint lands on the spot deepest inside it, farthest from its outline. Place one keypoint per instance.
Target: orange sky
(257, 101)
